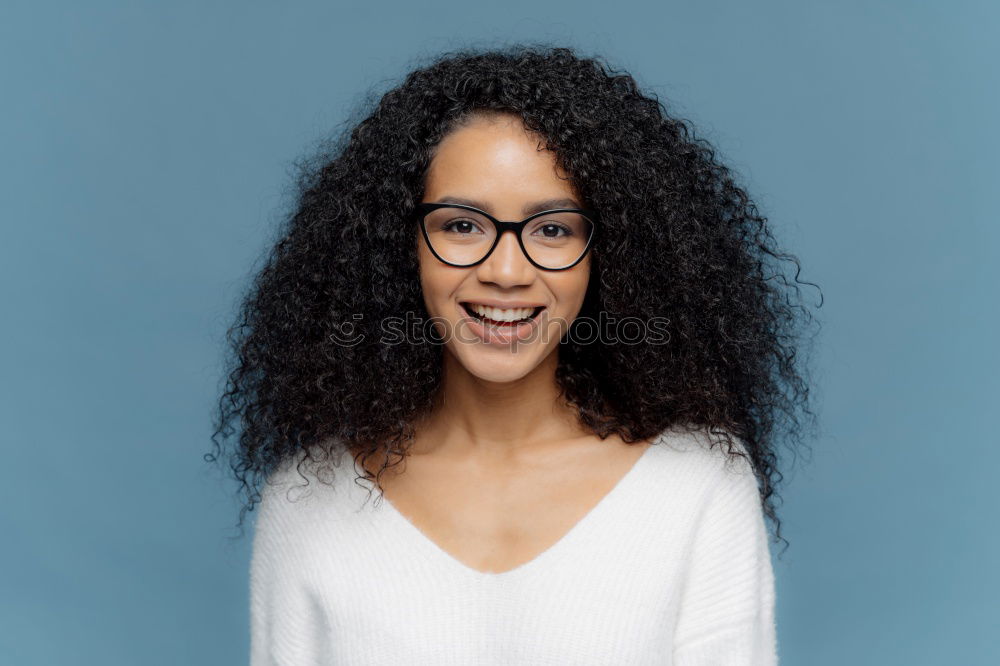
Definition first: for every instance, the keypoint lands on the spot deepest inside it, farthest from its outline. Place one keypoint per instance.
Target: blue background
(146, 154)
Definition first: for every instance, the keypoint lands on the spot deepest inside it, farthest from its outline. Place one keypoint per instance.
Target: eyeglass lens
(461, 236)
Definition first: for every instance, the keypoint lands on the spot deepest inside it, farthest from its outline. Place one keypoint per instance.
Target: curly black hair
(679, 239)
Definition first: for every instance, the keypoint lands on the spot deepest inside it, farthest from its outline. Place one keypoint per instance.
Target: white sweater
(671, 567)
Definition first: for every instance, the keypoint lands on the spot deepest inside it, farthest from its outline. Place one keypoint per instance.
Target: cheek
(426, 268)
(437, 283)
(429, 286)
(572, 289)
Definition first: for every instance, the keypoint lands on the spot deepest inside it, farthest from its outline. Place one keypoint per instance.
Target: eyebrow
(529, 209)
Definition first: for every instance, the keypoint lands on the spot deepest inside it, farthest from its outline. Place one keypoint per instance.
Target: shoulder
(703, 457)
(307, 505)
(727, 598)
(307, 482)
(700, 474)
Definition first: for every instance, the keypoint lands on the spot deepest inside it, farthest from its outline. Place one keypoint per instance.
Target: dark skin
(501, 470)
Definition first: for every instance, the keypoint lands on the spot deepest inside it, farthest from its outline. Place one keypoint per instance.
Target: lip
(503, 305)
(500, 335)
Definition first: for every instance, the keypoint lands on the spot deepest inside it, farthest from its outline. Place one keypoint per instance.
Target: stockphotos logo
(413, 328)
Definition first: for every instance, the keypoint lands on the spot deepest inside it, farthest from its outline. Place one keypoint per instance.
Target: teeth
(496, 314)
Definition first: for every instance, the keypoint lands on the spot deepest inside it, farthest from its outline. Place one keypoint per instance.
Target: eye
(553, 230)
(460, 226)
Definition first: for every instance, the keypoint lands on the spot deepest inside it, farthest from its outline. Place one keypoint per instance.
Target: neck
(476, 417)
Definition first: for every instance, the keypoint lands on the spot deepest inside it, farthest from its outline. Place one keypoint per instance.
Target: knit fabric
(671, 567)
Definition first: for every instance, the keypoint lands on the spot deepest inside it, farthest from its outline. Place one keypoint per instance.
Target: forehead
(495, 156)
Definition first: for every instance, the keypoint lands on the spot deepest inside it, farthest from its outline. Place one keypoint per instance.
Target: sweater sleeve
(283, 623)
(726, 615)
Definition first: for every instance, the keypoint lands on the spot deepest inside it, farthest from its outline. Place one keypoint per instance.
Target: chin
(498, 365)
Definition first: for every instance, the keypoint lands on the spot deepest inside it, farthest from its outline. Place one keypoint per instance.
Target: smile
(501, 316)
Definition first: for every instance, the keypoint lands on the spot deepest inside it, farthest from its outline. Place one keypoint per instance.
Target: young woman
(540, 319)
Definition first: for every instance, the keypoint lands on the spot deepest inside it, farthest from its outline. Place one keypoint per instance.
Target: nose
(506, 266)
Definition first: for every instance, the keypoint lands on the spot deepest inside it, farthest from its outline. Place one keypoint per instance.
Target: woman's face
(494, 164)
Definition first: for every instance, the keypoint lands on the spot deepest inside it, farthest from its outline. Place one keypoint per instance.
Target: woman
(546, 326)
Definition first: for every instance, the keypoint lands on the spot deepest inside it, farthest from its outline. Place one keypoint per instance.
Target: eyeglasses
(463, 236)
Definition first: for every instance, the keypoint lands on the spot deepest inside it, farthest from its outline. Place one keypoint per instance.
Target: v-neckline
(438, 555)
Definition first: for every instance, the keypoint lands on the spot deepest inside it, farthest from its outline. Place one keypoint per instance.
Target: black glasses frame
(421, 210)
